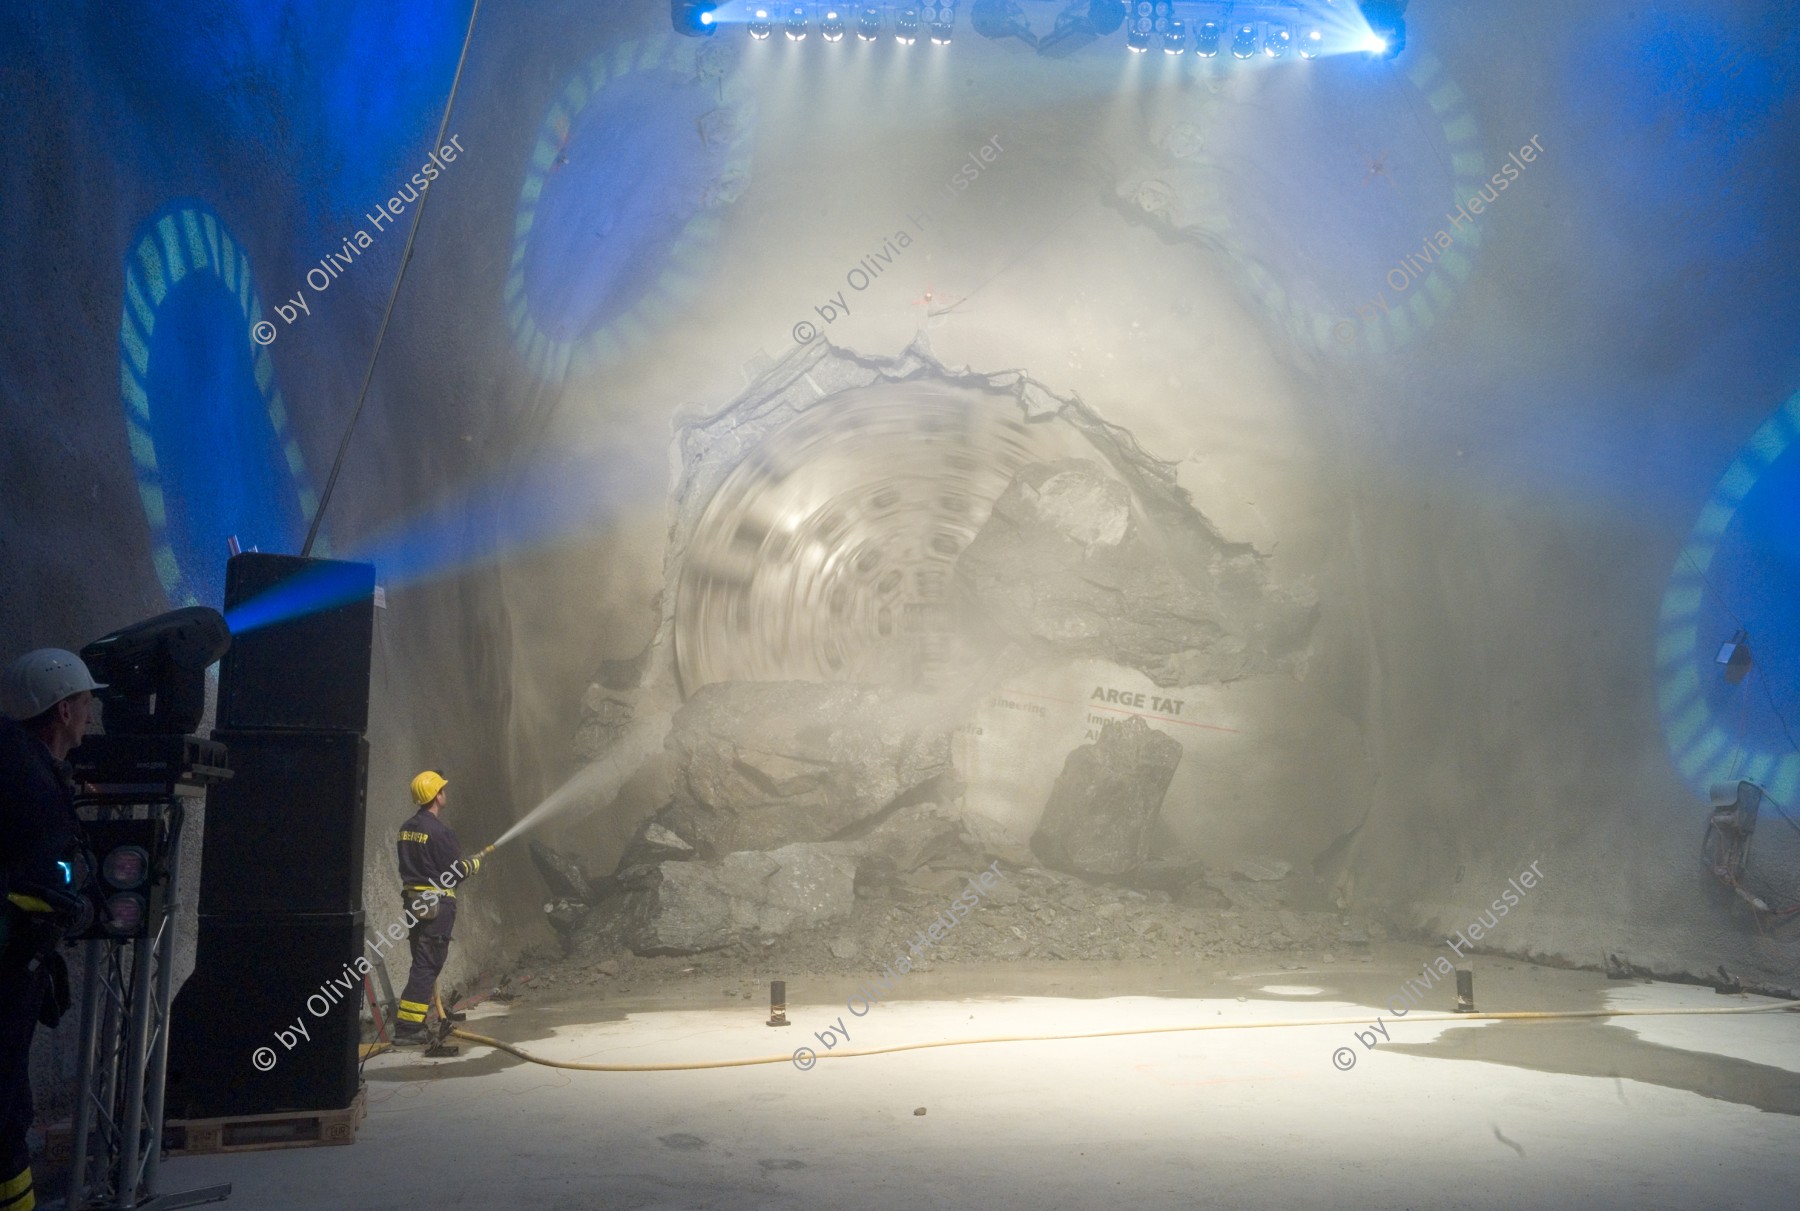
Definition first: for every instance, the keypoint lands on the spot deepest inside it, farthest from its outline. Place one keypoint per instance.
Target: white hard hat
(39, 680)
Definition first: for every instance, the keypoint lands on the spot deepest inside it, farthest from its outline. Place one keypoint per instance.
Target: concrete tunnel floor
(1634, 1112)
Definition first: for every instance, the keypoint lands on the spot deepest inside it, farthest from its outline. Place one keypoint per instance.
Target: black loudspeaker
(285, 834)
(301, 635)
(244, 1035)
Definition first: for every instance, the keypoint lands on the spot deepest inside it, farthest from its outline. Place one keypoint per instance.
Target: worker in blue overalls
(431, 865)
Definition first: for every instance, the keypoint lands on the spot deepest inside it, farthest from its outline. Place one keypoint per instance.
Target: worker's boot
(410, 1034)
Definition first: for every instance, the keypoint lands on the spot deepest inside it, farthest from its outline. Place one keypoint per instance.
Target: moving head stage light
(694, 20)
(155, 675)
(155, 671)
(1387, 26)
(125, 881)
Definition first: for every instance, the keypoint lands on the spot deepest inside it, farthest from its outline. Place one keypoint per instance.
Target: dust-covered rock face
(684, 907)
(1064, 566)
(763, 764)
(906, 839)
(676, 904)
(1032, 913)
(561, 874)
(654, 844)
(1100, 817)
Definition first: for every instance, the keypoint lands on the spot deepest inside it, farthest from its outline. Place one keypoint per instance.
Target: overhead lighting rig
(942, 19)
(1250, 29)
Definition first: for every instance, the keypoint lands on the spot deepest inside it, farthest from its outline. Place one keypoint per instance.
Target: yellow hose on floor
(1516, 1015)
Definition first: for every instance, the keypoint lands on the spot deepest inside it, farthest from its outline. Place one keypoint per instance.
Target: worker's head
(51, 694)
(428, 789)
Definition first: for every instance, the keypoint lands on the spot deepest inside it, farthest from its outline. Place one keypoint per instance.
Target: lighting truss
(1248, 29)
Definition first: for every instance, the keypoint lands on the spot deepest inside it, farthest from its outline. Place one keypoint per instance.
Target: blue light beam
(554, 500)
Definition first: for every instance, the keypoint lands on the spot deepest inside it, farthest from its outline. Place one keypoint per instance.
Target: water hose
(1515, 1015)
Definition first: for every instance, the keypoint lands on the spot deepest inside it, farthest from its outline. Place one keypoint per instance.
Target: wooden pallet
(239, 1133)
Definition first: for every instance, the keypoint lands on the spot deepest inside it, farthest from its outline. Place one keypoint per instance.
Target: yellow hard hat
(426, 786)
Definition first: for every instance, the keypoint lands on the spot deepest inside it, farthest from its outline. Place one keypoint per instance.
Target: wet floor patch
(1597, 1050)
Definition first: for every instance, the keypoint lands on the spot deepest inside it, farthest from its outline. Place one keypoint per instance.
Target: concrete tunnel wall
(1487, 478)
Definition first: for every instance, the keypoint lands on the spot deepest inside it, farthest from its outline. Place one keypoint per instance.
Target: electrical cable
(1289, 1023)
(362, 397)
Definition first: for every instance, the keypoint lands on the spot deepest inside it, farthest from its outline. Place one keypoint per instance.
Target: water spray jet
(600, 780)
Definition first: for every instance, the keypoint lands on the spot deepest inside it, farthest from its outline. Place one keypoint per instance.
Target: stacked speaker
(281, 919)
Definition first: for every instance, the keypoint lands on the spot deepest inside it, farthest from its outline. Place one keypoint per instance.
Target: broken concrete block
(1064, 565)
(1262, 870)
(1078, 501)
(566, 915)
(606, 715)
(563, 875)
(685, 907)
(654, 844)
(761, 764)
(1168, 875)
(907, 839)
(1105, 803)
(1243, 894)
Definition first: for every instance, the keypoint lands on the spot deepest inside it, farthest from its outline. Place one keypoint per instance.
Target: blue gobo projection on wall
(1740, 569)
(208, 428)
(1335, 194)
(621, 203)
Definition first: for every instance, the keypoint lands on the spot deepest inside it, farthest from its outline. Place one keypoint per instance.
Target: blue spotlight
(868, 23)
(1243, 42)
(906, 26)
(695, 20)
(1387, 27)
(1206, 39)
(1312, 42)
(831, 25)
(1277, 40)
(1174, 38)
(760, 28)
(796, 23)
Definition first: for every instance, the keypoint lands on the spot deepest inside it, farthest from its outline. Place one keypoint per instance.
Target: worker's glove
(67, 910)
(34, 931)
(34, 937)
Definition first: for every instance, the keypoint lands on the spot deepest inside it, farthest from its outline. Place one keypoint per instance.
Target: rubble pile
(1032, 914)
